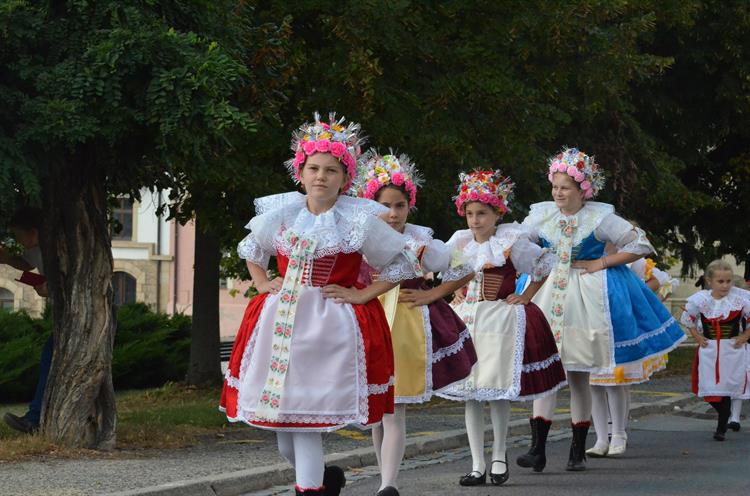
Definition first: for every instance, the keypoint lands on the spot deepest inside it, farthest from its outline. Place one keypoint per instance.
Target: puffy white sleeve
(436, 256)
(386, 252)
(532, 259)
(258, 246)
(457, 268)
(690, 317)
(626, 237)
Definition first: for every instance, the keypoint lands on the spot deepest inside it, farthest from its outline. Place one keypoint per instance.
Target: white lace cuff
(399, 269)
(638, 244)
(249, 249)
(543, 265)
(456, 273)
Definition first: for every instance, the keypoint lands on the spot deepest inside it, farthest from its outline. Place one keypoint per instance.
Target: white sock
(377, 443)
(308, 456)
(392, 446)
(580, 397)
(500, 416)
(545, 407)
(286, 446)
(736, 411)
(475, 433)
(618, 409)
(599, 415)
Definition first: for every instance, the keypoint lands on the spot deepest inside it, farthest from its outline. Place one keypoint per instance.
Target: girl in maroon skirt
(517, 355)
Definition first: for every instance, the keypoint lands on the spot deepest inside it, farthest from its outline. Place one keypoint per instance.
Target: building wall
(24, 296)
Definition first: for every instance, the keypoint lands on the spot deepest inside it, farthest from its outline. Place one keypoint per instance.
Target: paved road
(667, 455)
(240, 448)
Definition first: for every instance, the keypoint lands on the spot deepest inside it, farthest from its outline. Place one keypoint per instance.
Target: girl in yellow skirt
(431, 344)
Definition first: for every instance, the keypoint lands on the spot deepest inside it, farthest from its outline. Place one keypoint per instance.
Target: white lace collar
(340, 229)
(544, 218)
(417, 236)
(711, 308)
(491, 252)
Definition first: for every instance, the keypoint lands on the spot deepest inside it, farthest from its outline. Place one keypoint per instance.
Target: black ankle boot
(724, 409)
(577, 457)
(536, 457)
(333, 480)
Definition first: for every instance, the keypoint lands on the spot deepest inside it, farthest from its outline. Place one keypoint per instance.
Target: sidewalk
(248, 460)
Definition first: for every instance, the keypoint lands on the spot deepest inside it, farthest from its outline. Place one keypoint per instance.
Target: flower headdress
(581, 167)
(334, 137)
(378, 171)
(486, 186)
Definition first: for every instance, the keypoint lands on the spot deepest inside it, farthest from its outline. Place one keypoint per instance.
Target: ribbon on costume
(568, 226)
(283, 327)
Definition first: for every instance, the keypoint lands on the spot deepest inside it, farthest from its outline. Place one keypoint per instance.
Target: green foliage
(150, 350)
(21, 342)
(460, 85)
(151, 94)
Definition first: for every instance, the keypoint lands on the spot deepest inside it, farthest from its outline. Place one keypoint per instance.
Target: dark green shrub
(150, 349)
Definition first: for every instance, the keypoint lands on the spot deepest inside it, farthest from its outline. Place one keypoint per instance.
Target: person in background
(25, 225)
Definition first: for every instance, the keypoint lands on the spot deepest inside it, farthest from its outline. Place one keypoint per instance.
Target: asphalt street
(667, 454)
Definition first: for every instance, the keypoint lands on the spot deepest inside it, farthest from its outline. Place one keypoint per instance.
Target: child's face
(323, 177)
(721, 283)
(566, 193)
(481, 219)
(398, 206)
(28, 238)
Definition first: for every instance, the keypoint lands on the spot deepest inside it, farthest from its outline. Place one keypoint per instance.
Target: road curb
(255, 479)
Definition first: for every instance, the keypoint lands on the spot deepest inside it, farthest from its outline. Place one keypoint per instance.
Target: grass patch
(172, 416)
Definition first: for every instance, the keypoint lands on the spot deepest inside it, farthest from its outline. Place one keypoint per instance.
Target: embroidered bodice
(341, 269)
(498, 282)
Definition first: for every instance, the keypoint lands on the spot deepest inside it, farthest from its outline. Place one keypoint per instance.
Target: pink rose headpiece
(335, 137)
(486, 186)
(378, 171)
(582, 168)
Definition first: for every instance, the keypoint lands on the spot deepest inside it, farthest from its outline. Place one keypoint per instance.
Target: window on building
(123, 285)
(122, 219)
(6, 300)
(223, 283)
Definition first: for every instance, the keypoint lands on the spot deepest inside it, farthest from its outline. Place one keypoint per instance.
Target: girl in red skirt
(717, 318)
(314, 352)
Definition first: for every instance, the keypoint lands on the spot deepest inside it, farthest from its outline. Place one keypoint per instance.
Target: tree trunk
(205, 363)
(79, 407)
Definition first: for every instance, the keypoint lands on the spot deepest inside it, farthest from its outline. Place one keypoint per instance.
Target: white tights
(389, 439)
(580, 397)
(499, 415)
(610, 402)
(736, 410)
(304, 450)
(580, 400)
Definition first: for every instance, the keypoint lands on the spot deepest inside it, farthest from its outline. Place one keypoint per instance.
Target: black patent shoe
(471, 479)
(333, 480)
(719, 436)
(498, 479)
(388, 491)
(735, 426)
